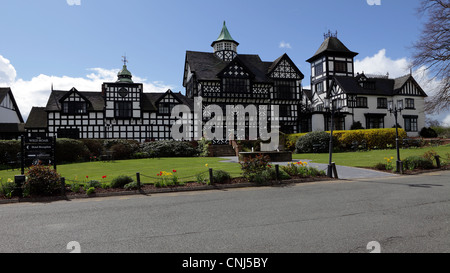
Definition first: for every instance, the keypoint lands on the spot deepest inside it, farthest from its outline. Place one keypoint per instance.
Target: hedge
(374, 138)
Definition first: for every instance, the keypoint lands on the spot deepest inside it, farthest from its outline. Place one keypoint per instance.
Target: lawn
(186, 169)
(370, 158)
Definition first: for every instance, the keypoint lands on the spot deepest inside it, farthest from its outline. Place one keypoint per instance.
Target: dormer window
(367, 85)
(74, 108)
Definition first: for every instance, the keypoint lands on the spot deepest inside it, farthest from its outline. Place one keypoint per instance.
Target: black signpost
(38, 151)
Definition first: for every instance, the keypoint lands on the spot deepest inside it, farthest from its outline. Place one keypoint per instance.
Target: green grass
(371, 158)
(187, 169)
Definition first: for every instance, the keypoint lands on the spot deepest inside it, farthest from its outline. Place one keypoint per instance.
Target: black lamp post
(395, 109)
(333, 106)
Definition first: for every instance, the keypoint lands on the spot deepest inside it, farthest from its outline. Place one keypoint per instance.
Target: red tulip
(174, 171)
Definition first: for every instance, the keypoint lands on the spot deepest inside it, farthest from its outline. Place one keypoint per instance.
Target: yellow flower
(392, 157)
(10, 180)
(206, 165)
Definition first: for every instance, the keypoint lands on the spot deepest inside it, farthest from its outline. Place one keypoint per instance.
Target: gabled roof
(382, 86)
(207, 67)
(332, 45)
(5, 91)
(95, 99)
(37, 119)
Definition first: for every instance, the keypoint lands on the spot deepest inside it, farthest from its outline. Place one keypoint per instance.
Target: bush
(305, 144)
(131, 186)
(8, 150)
(93, 184)
(356, 126)
(169, 148)
(71, 150)
(90, 191)
(220, 176)
(374, 138)
(7, 188)
(291, 140)
(417, 162)
(95, 146)
(428, 132)
(42, 180)
(252, 165)
(121, 181)
(121, 148)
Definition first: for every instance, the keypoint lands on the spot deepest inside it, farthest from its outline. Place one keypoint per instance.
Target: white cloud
(380, 64)
(283, 44)
(35, 92)
(446, 121)
(74, 2)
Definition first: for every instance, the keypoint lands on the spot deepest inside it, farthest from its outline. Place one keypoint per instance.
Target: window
(123, 109)
(284, 89)
(69, 133)
(318, 69)
(375, 121)
(382, 103)
(410, 123)
(319, 87)
(166, 108)
(409, 103)
(361, 102)
(233, 85)
(285, 110)
(368, 85)
(340, 66)
(339, 123)
(74, 108)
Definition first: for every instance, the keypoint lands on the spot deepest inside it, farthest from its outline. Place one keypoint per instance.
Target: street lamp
(395, 109)
(333, 106)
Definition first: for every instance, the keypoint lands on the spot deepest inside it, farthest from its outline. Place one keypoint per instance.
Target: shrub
(203, 147)
(42, 180)
(417, 162)
(93, 184)
(251, 165)
(70, 150)
(374, 138)
(7, 188)
(356, 126)
(305, 144)
(90, 191)
(428, 132)
(121, 148)
(9, 150)
(169, 148)
(121, 181)
(95, 146)
(220, 176)
(131, 186)
(291, 140)
(271, 174)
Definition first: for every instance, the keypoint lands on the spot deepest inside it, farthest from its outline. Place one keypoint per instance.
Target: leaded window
(123, 109)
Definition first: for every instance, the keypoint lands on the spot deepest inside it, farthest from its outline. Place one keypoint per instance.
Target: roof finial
(330, 35)
(124, 60)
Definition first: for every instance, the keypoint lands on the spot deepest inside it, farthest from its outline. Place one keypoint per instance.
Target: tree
(432, 51)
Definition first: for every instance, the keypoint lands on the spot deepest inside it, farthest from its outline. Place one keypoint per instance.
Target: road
(401, 213)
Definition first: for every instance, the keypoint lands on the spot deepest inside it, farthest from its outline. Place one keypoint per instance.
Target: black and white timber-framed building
(121, 110)
(226, 77)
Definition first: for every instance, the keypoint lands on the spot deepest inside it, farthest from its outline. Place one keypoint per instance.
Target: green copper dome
(124, 75)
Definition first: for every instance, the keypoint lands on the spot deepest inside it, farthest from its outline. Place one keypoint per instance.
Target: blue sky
(80, 42)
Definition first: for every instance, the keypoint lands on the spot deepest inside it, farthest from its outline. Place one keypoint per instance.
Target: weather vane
(124, 60)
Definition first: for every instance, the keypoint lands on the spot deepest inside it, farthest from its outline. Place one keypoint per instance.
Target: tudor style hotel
(225, 77)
